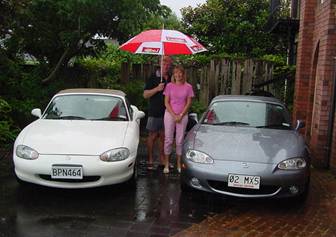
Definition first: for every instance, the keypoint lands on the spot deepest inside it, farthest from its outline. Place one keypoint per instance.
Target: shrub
(8, 132)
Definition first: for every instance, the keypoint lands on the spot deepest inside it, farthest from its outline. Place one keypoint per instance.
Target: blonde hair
(181, 69)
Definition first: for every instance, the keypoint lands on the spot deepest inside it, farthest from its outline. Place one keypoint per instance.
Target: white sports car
(85, 138)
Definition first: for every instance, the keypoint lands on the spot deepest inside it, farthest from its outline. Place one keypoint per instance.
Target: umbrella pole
(161, 64)
(162, 56)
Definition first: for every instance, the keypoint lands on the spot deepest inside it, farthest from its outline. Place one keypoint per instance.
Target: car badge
(245, 165)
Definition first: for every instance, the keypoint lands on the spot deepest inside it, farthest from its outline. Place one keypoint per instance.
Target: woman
(178, 95)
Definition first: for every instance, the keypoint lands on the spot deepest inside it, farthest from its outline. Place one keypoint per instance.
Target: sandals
(166, 170)
(162, 166)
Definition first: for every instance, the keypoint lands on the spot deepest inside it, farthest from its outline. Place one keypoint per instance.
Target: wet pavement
(156, 207)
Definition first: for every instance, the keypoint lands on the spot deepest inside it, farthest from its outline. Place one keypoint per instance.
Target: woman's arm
(168, 107)
(186, 107)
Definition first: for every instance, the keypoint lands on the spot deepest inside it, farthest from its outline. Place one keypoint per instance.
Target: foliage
(134, 91)
(105, 67)
(198, 107)
(235, 27)
(276, 59)
(54, 31)
(21, 88)
(8, 8)
(109, 58)
(7, 130)
(169, 21)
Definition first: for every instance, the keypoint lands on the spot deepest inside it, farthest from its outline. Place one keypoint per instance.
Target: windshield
(247, 113)
(86, 107)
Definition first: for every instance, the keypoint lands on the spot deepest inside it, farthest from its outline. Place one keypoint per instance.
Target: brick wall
(314, 77)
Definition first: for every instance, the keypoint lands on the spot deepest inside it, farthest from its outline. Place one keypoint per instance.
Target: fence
(223, 76)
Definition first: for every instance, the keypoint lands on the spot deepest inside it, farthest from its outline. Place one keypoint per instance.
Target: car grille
(84, 180)
(222, 186)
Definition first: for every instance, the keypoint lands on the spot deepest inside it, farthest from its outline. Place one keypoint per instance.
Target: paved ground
(156, 207)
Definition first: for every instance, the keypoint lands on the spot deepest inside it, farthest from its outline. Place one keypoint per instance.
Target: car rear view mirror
(37, 113)
(300, 124)
(193, 116)
(139, 115)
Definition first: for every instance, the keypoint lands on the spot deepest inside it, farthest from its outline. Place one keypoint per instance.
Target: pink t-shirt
(178, 95)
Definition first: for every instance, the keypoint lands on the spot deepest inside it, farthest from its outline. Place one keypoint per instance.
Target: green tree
(231, 26)
(168, 21)
(54, 31)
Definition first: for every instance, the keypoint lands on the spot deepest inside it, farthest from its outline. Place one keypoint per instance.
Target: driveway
(156, 207)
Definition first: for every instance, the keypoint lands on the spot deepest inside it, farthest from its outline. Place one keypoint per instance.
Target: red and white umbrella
(163, 42)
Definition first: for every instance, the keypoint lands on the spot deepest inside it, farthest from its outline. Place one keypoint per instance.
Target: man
(154, 92)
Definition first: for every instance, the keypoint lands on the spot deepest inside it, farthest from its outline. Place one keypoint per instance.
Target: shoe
(162, 166)
(166, 170)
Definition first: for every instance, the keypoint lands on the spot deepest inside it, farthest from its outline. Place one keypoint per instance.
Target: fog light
(195, 182)
(294, 189)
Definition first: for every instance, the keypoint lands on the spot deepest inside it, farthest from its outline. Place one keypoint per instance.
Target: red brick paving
(317, 217)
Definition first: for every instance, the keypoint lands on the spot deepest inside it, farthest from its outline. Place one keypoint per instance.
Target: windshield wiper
(232, 123)
(71, 117)
(112, 119)
(278, 126)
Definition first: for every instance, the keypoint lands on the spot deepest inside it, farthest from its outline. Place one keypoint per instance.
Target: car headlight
(25, 152)
(199, 157)
(292, 164)
(117, 154)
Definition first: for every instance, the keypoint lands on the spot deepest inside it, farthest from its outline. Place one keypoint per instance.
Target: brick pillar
(325, 30)
(304, 62)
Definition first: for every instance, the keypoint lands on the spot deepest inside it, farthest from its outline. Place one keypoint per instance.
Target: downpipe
(331, 118)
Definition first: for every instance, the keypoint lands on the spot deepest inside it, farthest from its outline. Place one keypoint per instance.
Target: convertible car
(85, 138)
(246, 146)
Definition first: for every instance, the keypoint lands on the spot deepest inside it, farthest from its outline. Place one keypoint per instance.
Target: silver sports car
(246, 146)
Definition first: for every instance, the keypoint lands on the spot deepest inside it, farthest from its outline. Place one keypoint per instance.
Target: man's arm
(149, 93)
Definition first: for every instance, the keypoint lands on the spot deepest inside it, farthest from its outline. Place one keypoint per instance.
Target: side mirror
(192, 121)
(37, 113)
(299, 124)
(139, 115)
(193, 116)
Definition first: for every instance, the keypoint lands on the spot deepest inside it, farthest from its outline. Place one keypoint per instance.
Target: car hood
(76, 137)
(248, 144)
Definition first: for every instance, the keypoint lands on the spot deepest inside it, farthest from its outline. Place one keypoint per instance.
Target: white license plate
(66, 172)
(244, 181)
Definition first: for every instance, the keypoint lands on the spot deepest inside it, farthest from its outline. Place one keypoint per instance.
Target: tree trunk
(57, 67)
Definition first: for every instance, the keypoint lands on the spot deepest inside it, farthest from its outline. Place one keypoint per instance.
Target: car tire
(186, 188)
(22, 183)
(304, 195)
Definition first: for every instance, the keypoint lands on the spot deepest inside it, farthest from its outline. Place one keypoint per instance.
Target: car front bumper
(273, 182)
(95, 171)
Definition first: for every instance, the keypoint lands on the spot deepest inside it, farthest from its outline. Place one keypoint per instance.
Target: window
(86, 107)
(256, 114)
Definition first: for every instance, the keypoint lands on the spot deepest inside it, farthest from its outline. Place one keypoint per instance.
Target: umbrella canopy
(163, 42)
